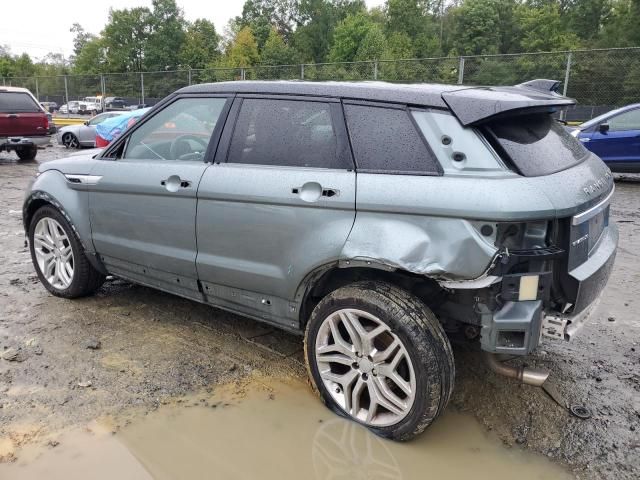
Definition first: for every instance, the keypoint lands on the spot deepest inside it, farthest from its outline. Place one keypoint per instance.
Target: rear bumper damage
(516, 328)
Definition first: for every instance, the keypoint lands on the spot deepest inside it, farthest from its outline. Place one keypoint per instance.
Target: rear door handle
(12, 115)
(174, 182)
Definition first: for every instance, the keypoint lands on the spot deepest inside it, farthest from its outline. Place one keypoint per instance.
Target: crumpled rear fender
(438, 247)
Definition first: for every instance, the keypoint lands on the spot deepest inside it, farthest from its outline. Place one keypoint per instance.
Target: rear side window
(285, 133)
(535, 144)
(18, 102)
(385, 140)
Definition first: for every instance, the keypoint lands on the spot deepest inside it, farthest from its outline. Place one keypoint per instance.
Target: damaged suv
(369, 217)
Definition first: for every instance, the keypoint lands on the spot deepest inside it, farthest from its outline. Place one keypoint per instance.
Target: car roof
(469, 103)
(15, 89)
(419, 94)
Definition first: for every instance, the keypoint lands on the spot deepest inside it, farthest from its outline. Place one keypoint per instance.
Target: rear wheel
(379, 356)
(69, 140)
(27, 153)
(58, 256)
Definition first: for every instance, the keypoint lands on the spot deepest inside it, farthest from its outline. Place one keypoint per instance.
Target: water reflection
(344, 450)
(282, 432)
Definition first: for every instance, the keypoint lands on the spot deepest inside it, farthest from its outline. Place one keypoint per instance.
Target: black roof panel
(469, 104)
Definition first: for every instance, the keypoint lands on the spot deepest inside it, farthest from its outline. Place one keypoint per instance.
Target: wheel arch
(51, 188)
(329, 277)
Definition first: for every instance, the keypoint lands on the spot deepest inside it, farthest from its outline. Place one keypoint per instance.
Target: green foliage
(348, 37)
(276, 51)
(166, 37)
(373, 44)
(201, 45)
(243, 50)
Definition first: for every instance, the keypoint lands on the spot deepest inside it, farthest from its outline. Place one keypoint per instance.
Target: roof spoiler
(475, 105)
(542, 85)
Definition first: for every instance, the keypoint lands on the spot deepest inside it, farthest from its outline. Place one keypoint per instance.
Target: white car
(76, 136)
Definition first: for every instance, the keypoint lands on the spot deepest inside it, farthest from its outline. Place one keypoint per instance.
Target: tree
(373, 44)
(80, 38)
(201, 45)
(348, 36)
(125, 39)
(542, 30)
(276, 51)
(165, 40)
(243, 51)
(263, 15)
(477, 27)
(92, 57)
(315, 23)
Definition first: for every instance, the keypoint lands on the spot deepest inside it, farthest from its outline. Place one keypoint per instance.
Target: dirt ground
(66, 363)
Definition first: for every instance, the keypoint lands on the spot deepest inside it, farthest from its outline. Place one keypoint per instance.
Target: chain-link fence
(599, 79)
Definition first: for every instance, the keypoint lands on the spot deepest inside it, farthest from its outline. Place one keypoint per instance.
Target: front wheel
(377, 355)
(58, 256)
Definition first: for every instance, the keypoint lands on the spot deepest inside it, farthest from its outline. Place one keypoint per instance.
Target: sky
(42, 26)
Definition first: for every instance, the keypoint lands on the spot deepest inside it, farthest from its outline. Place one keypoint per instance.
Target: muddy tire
(378, 355)
(27, 153)
(58, 256)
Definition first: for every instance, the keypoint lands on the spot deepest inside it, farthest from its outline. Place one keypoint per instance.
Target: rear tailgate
(21, 116)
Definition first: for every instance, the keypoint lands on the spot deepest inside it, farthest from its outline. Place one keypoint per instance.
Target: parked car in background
(52, 126)
(112, 128)
(72, 107)
(114, 103)
(367, 217)
(24, 124)
(94, 104)
(614, 137)
(76, 136)
(138, 106)
(50, 107)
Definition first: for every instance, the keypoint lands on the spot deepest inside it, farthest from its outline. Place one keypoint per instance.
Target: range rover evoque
(370, 217)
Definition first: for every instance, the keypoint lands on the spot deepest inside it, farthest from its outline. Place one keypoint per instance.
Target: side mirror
(604, 127)
(86, 123)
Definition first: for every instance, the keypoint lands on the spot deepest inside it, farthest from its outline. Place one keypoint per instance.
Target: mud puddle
(278, 431)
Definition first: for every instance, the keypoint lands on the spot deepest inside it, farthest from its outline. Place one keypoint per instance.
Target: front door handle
(174, 183)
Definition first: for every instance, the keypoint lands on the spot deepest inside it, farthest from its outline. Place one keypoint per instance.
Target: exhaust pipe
(529, 376)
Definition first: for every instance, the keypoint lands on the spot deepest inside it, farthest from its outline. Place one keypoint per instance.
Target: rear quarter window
(535, 144)
(385, 140)
(18, 102)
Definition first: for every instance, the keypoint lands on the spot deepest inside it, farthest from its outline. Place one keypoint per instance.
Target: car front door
(278, 203)
(143, 201)
(619, 145)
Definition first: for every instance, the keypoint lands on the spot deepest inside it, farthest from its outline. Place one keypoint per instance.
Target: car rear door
(279, 202)
(620, 144)
(21, 115)
(142, 201)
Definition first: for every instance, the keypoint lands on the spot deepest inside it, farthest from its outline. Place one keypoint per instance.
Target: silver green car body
(258, 240)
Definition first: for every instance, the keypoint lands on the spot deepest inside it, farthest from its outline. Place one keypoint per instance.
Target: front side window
(385, 140)
(99, 118)
(181, 131)
(285, 133)
(625, 121)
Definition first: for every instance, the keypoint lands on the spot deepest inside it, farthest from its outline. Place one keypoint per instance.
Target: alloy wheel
(53, 253)
(365, 367)
(70, 141)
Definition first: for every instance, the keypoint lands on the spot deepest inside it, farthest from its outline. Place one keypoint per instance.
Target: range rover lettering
(370, 218)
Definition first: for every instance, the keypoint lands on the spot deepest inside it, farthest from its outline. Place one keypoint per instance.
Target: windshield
(535, 144)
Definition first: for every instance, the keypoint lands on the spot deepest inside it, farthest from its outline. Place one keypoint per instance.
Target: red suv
(23, 123)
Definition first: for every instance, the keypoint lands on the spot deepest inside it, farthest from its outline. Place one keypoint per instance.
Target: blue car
(614, 137)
